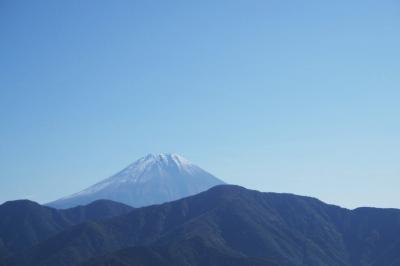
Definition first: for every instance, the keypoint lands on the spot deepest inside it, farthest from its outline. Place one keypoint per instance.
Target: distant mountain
(24, 223)
(151, 180)
(229, 225)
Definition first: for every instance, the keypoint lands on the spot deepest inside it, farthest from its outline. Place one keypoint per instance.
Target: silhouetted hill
(24, 223)
(229, 225)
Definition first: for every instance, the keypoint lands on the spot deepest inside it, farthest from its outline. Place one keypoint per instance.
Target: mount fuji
(150, 180)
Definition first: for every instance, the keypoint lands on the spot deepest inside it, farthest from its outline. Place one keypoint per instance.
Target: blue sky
(286, 96)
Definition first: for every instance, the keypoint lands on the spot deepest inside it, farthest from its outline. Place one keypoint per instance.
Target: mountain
(152, 179)
(170, 257)
(229, 225)
(24, 223)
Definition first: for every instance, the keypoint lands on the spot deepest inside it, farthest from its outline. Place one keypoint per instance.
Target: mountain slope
(25, 223)
(230, 223)
(151, 180)
(193, 252)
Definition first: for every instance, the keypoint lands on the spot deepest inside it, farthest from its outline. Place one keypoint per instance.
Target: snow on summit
(153, 179)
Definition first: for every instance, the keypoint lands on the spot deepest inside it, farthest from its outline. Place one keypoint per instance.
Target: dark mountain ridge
(24, 223)
(229, 225)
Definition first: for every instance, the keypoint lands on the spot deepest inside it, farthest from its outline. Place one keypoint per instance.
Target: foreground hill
(229, 225)
(153, 179)
(24, 223)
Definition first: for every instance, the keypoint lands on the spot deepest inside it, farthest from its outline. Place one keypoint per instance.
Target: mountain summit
(152, 179)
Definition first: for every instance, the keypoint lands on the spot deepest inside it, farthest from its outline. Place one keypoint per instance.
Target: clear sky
(285, 96)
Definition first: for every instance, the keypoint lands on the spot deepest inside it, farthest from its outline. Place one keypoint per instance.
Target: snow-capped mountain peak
(154, 178)
(163, 158)
(153, 165)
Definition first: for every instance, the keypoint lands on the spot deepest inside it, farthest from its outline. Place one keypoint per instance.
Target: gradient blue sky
(286, 96)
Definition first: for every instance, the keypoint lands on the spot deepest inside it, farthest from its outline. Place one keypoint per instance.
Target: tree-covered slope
(229, 225)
